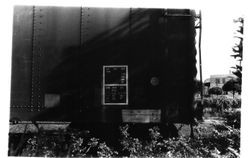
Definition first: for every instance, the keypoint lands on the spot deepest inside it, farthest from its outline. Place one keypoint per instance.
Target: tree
(238, 48)
(215, 90)
(232, 85)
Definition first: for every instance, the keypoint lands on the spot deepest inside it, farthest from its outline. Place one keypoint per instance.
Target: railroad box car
(110, 65)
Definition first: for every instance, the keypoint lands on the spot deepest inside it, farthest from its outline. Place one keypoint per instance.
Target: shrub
(82, 146)
(131, 146)
(222, 141)
(70, 144)
(159, 147)
(225, 138)
(232, 117)
(222, 101)
(215, 90)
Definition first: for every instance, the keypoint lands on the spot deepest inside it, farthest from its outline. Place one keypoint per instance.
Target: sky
(217, 42)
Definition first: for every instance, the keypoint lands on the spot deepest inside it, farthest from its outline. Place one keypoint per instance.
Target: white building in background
(220, 80)
(216, 81)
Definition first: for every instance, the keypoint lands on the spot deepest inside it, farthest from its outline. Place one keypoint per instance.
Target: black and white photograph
(126, 80)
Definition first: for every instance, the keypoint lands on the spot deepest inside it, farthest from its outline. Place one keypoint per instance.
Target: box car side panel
(72, 45)
(21, 61)
(180, 69)
(51, 32)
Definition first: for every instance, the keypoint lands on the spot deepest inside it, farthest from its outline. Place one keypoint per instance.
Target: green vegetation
(238, 47)
(222, 102)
